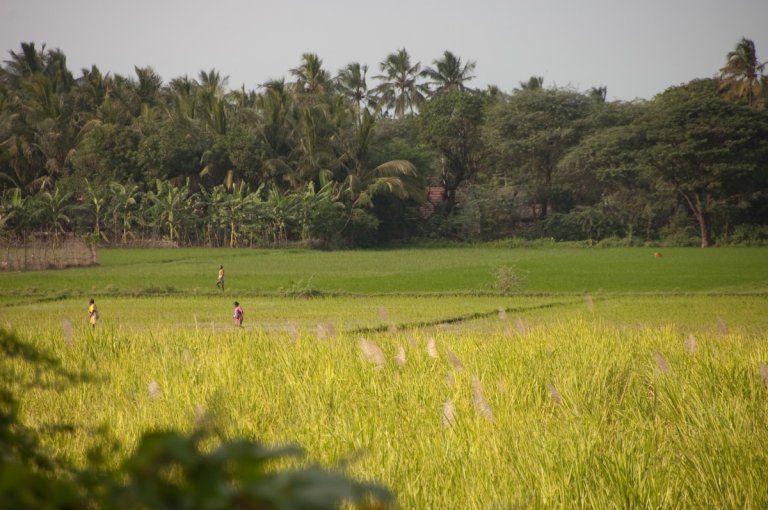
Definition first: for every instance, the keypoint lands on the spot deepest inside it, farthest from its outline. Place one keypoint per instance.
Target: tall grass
(579, 408)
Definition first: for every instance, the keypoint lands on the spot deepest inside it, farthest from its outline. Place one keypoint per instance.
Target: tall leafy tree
(712, 154)
(530, 132)
(742, 77)
(452, 123)
(688, 145)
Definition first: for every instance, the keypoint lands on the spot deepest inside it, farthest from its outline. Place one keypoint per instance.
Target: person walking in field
(220, 279)
(237, 315)
(93, 314)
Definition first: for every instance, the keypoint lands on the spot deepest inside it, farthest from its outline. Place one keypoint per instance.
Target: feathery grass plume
(400, 356)
(764, 372)
(502, 386)
(661, 362)
(478, 399)
(196, 328)
(326, 331)
(384, 316)
(186, 355)
(154, 390)
(213, 328)
(201, 417)
(412, 342)
(505, 321)
(589, 303)
(450, 381)
(520, 326)
(722, 327)
(449, 413)
(293, 331)
(454, 360)
(556, 398)
(69, 332)
(373, 353)
(690, 343)
(432, 347)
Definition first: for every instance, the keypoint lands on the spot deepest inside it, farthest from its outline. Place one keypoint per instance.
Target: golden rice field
(466, 402)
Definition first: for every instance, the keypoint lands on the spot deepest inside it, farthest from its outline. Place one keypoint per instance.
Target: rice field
(554, 399)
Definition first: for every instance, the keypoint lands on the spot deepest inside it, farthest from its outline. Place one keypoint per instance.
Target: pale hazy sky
(634, 48)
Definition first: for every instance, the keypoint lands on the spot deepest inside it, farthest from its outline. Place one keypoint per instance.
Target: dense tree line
(349, 159)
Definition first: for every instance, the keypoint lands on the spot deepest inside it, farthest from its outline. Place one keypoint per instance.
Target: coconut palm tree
(311, 78)
(533, 83)
(27, 62)
(363, 181)
(742, 76)
(449, 73)
(399, 90)
(351, 83)
(212, 102)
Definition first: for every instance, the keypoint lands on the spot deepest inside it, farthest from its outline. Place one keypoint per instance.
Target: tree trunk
(699, 210)
(705, 229)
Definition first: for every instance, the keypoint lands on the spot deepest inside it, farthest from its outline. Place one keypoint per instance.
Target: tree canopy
(348, 159)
